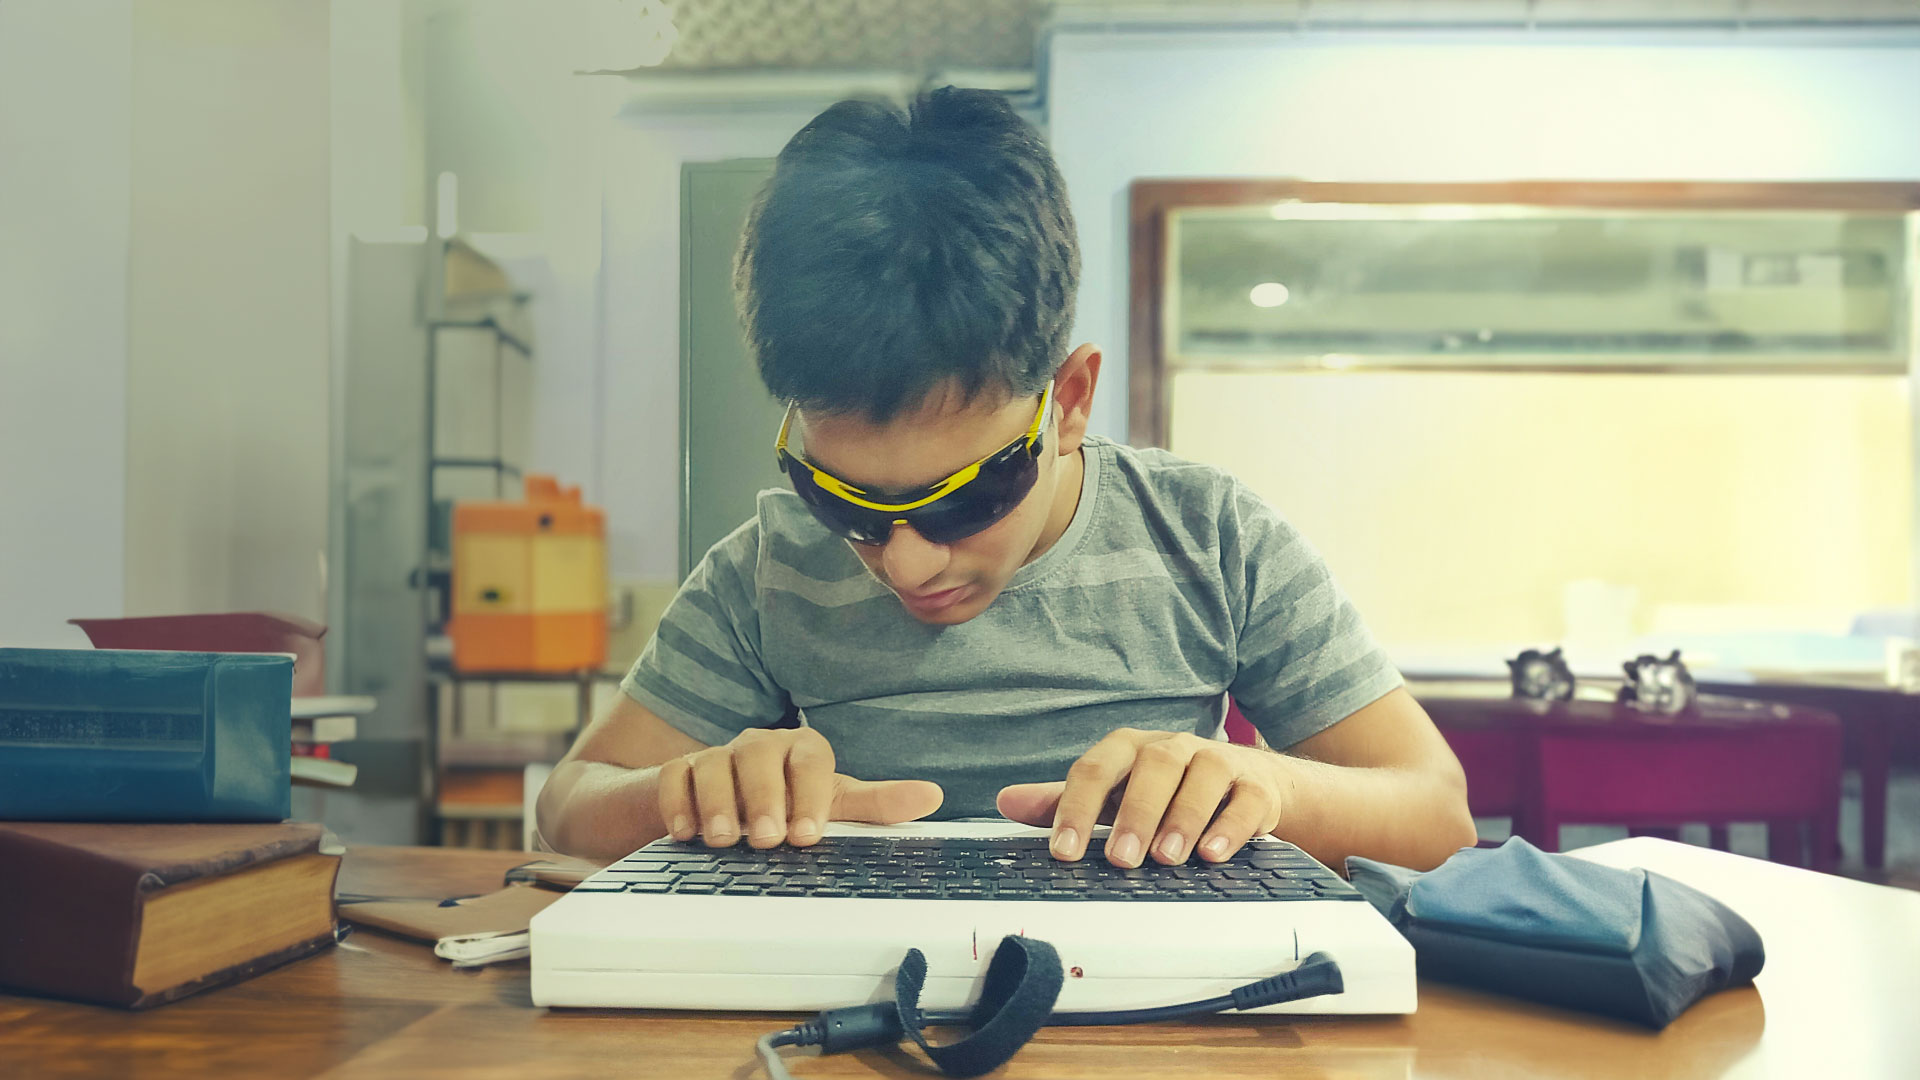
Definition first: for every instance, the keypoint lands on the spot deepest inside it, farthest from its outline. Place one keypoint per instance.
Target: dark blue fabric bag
(1552, 928)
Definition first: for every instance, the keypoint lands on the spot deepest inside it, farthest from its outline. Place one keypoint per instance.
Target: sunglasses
(955, 508)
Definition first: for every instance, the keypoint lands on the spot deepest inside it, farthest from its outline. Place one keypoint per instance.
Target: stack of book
(319, 725)
(144, 853)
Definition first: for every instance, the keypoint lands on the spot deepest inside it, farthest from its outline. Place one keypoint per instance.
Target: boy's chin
(965, 609)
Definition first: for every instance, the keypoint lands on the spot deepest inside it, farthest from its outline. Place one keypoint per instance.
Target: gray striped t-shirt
(1173, 585)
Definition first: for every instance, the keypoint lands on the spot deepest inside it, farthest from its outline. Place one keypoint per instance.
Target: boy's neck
(1066, 502)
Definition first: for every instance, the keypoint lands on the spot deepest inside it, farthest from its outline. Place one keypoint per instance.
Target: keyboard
(956, 868)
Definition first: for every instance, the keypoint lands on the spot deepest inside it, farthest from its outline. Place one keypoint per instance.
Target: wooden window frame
(1152, 203)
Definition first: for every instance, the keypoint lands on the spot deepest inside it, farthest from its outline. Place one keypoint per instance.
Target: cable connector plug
(1316, 975)
(835, 1031)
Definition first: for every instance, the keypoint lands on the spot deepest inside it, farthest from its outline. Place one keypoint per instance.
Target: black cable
(1318, 974)
(855, 1027)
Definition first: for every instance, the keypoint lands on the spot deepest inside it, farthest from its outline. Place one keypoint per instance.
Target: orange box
(529, 583)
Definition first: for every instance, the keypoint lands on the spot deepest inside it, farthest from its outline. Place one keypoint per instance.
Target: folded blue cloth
(1551, 928)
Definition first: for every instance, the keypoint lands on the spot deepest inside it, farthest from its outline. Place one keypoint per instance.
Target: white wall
(505, 113)
(227, 310)
(1124, 106)
(65, 110)
(640, 334)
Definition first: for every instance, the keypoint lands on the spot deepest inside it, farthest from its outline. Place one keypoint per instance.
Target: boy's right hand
(749, 785)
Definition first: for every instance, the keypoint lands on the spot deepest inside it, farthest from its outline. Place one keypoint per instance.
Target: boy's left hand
(1162, 792)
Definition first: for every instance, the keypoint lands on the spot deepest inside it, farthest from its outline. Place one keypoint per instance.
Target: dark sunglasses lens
(841, 517)
(980, 505)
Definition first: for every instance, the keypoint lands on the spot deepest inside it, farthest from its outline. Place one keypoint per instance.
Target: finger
(1208, 778)
(1246, 811)
(1158, 767)
(1030, 804)
(810, 782)
(674, 787)
(713, 797)
(1089, 781)
(1038, 804)
(760, 781)
(884, 802)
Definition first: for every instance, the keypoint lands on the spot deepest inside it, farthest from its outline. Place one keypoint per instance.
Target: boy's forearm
(1409, 817)
(600, 811)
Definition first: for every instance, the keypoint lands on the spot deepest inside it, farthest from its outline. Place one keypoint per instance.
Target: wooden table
(1872, 711)
(1585, 761)
(1837, 998)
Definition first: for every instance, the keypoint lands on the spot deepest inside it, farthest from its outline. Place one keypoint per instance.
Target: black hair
(896, 249)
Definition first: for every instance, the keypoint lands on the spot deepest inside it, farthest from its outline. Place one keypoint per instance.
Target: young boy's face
(947, 584)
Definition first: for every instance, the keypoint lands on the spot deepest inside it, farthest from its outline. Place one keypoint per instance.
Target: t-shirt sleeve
(1305, 660)
(702, 672)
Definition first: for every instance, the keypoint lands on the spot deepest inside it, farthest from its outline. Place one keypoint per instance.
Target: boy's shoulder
(1164, 484)
(1161, 468)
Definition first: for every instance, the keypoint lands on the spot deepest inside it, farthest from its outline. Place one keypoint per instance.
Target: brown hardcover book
(139, 915)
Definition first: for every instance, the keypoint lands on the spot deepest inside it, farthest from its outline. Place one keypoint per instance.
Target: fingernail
(1174, 846)
(682, 828)
(1216, 847)
(805, 826)
(765, 828)
(1065, 843)
(1125, 849)
(719, 826)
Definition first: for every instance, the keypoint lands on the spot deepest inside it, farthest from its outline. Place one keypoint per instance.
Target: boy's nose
(911, 560)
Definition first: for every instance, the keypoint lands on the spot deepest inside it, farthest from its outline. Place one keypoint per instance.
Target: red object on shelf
(238, 632)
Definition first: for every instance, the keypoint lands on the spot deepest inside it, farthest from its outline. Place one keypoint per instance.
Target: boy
(972, 604)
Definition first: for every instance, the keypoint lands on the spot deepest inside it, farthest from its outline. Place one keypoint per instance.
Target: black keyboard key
(786, 890)
(649, 878)
(808, 881)
(643, 866)
(629, 874)
(692, 867)
(695, 889)
(878, 894)
(702, 879)
(919, 892)
(741, 890)
(965, 892)
(758, 880)
(649, 887)
(740, 866)
(601, 886)
(831, 891)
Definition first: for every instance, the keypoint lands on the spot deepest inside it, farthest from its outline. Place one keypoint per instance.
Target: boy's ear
(1073, 387)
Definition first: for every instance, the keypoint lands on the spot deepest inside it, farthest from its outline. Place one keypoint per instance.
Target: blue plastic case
(108, 735)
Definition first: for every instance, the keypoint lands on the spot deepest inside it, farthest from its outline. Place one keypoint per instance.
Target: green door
(727, 418)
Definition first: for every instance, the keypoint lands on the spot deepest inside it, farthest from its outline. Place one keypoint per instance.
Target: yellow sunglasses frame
(857, 496)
